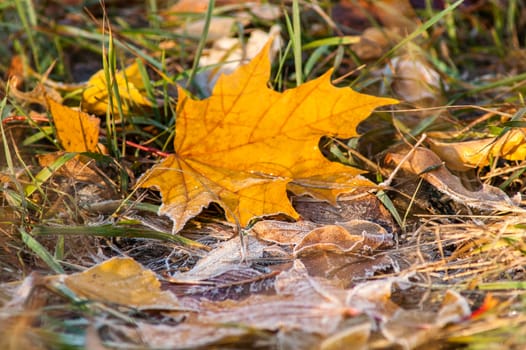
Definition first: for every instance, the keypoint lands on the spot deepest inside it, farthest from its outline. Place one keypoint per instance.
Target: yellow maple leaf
(76, 131)
(95, 98)
(122, 281)
(245, 144)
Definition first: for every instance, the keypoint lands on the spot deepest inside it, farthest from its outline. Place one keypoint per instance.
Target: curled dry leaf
(281, 232)
(465, 155)
(354, 236)
(429, 166)
(244, 145)
(415, 80)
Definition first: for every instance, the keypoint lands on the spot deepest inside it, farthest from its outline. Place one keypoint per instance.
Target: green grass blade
(41, 252)
(421, 29)
(386, 201)
(118, 231)
(296, 41)
(334, 41)
(202, 42)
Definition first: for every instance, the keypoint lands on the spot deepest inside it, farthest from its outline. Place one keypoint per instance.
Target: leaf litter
(342, 274)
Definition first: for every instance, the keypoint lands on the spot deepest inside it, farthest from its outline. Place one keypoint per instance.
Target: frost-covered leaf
(122, 281)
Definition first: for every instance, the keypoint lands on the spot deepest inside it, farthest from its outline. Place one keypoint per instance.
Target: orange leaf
(95, 99)
(76, 130)
(242, 146)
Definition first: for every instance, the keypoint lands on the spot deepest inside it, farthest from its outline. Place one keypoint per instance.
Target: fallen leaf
(415, 80)
(303, 302)
(465, 155)
(76, 130)
(122, 281)
(344, 252)
(359, 205)
(355, 236)
(412, 328)
(224, 258)
(95, 99)
(237, 283)
(429, 166)
(282, 232)
(242, 146)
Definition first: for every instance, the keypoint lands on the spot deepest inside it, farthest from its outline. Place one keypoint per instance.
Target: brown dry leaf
(411, 328)
(415, 80)
(465, 155)
(95, 99)
(242, 146)
(122, 281)
(76, 130)
(429, 166)
(282, 232)
(354, 236)
(344, 252)
(227, 256)
(311, 304)
(237, 283)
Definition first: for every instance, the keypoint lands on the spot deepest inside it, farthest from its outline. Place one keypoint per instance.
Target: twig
(387, 182)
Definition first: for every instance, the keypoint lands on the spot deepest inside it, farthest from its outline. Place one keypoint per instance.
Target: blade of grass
(26, 14)
(334, 41)
(417, 32)
(41, 252)
(502, 285)
(389, 205)
(118, 231)
(296, 41)
(4, 112)
(202, 42)
(421, 29)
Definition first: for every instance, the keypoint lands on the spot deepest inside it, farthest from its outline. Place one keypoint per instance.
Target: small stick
(387, 182)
